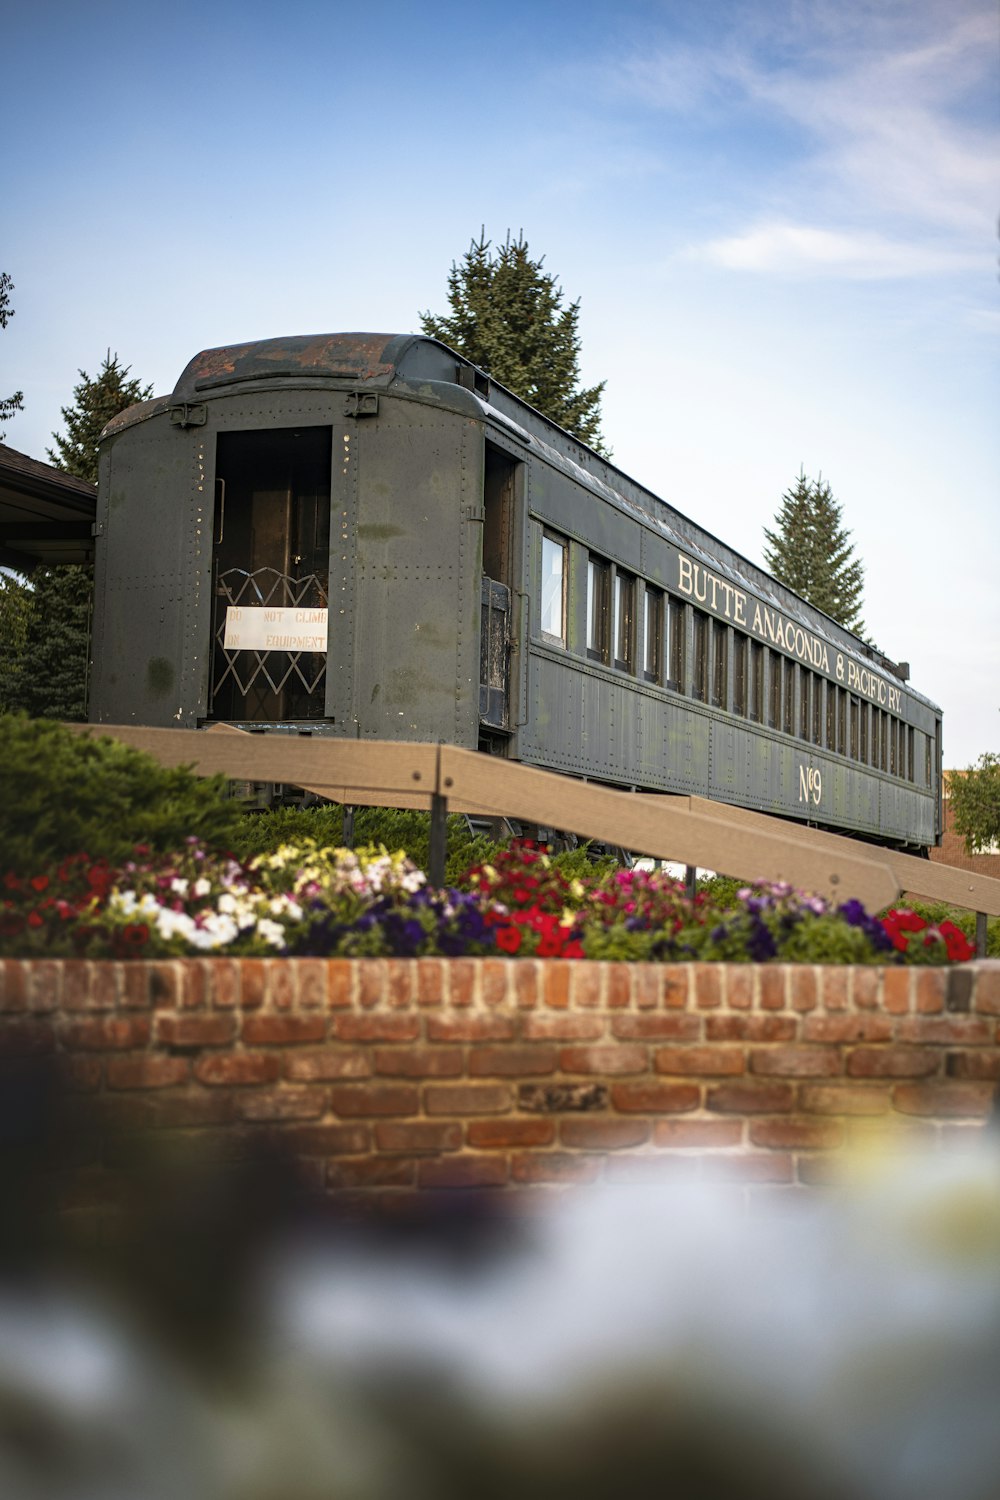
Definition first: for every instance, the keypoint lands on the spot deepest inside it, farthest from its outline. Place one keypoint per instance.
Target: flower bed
(305, 900)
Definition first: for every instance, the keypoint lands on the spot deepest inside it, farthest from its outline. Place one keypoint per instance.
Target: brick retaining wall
(393, 1075)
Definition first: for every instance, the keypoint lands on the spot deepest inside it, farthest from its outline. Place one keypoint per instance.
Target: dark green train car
(361, 534)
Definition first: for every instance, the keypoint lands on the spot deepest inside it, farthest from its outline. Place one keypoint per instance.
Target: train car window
(855, 725)
(756, 682)
(911, 769)
(831, 716)
(927, 762)
(789, 721)
(676, 643)
(598, 612)
(652, 635)
(863, 732)
(740, 644)
(805, 687)
(774, 689)
(720, 664)
(817, 698)
(552, 618)
(884, 738)
(841, 721)
(624, 621)
(699, 688)
(498, 514)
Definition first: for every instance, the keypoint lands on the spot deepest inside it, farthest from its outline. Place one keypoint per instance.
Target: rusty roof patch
(357, 356)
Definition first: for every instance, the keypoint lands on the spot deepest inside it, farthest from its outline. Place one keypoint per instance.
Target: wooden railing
(443, 779)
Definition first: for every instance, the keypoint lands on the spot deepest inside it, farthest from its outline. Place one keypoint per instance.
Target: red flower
(958, 945)
(11, 881)
(39, 882)
(508, 939)
(35, 919)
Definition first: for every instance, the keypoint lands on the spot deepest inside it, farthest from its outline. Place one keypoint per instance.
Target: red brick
(418, 1136)
(429, 986)
(706, 986)
(494, 974)
(196, 1031)
(612, 1059)
(147, 1070)
(931, 986)
(555, 983)
(834, 984)
(44, 985)
(944, 1100)
(270, 1030)
(383, 1027)
(553, 1166)
(135, 986)
(967, 1030)
(370, 980)
(341, 978)
(978, 1065)
(863, 1027)
(466, 1099)
(797, 1134)
(562, 1028)
(191, 1110)
(467, 1170)
(164, 983)
(603, 1134)
(796, 1062)
(373, 1171)
(844, 1099)
(237, 1068)
(283, 1104)
(714, 1061)
(326, 1064)
(26, 1038)
(896, 991)
(700, 1134)
(469, 1028)
(751, 1098)
(655, 1097)
(618, 985)
(866, 987)
(803, 988)
(675, 982)
(771, 986)
(645, 985)
(419, 1062)
(525, 976)
(358, 1100)
(987, 981)
(224, 988)
(585, 986)
(311, 977)
(79, 990)
(755, 1028)
(400, 982)
(739, 986)
(462, 975)
(13, 985)
(746, 1166)
(327, 1140)
(510, 1062)
(192, 989)
(252, 984)
(893, 1062)
(281, 983)
(658, 1026)
(105, 1034)
(500, 1134)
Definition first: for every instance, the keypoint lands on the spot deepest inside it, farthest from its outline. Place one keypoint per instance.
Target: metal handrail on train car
(440, 778)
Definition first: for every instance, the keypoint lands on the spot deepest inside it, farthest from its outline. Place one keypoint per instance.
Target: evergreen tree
(812, 553)
(8, 404)
(975, 803)
(49, 679)
(15, 610)
(507, 317)
(95, 403)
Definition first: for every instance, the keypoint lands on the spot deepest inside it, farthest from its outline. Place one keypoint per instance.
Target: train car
(364, 535)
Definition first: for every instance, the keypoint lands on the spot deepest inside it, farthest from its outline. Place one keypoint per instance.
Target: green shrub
(65, 793)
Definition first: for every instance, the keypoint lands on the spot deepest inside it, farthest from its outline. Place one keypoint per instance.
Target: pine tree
(50, 677)
(8, 404)
(15, 610)
(95, 403)
(507, 317)
(812, 553)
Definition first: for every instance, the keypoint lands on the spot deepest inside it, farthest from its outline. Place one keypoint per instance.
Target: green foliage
(15, 611)
(95, 402)
(64, 793)
(975, 802)
(48, 677)
(507, 317)
(812, 553)
(15, 403)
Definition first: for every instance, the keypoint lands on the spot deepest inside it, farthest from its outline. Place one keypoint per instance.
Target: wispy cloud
(800, 249)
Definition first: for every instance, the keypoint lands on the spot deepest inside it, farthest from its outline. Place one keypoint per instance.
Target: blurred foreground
(231, 1338)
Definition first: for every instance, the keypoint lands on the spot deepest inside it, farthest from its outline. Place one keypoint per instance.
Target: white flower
(202, 886)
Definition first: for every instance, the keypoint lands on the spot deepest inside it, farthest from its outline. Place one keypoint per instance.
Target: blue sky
(780, 218)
